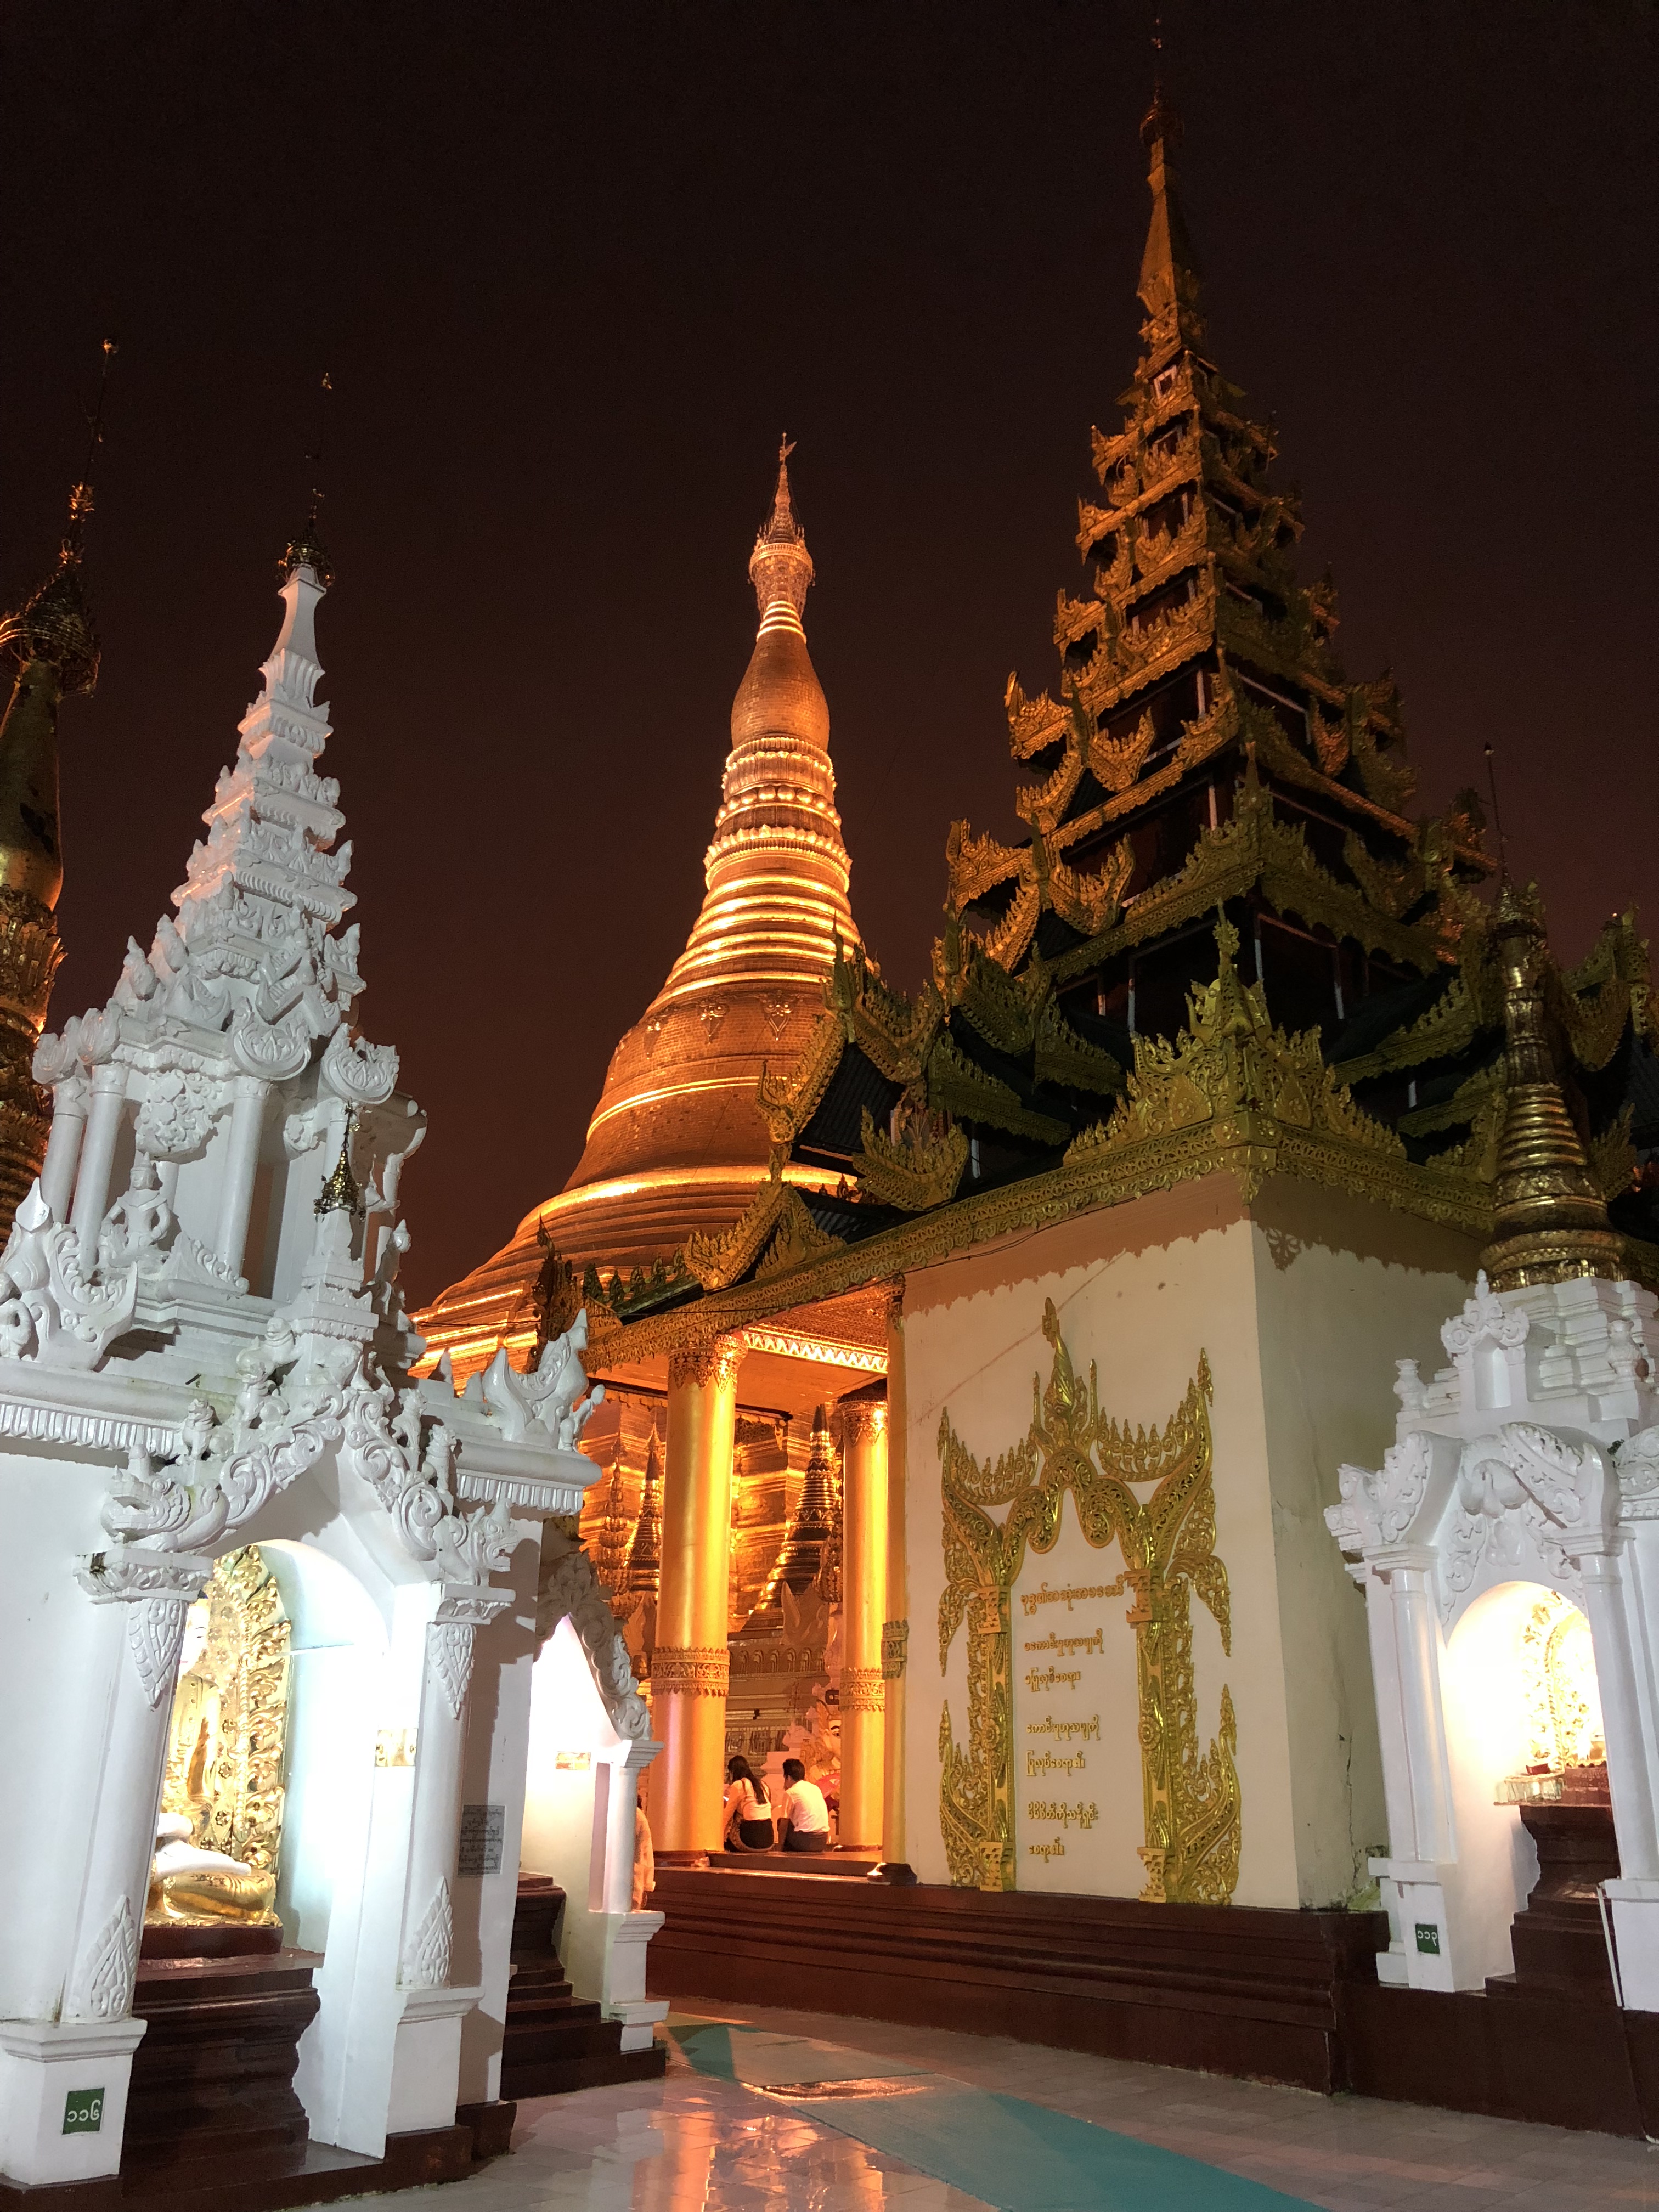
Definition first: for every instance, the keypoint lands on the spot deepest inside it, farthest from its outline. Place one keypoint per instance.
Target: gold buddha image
(220, 1821)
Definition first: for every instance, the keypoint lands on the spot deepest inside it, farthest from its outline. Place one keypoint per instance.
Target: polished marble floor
(766, 2111)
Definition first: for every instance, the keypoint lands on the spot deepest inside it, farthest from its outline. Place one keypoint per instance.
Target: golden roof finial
(1549, 1220)
(1168, 267)
(340, 1193)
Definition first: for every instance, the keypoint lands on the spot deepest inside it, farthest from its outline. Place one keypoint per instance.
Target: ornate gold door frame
(1193, 1815)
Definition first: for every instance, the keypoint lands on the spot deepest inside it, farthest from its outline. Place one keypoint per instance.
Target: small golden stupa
(675, 1144)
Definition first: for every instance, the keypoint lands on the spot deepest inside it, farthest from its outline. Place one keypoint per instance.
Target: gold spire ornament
(1168, 266)
(644, 1570)
(340, 1193)
(811, 1550)
(1549, 1220)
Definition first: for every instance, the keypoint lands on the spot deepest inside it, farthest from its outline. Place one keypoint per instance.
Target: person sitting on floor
(749, 1825)
(806, 1823)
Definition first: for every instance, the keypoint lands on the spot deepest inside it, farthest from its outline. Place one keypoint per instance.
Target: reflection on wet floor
(778, 2114)
(703, 2147)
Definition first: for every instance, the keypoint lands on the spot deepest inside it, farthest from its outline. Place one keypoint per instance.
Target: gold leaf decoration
(1193, 1815)
(921, 1169)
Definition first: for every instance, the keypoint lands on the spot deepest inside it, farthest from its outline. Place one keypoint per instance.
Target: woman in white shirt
(748, 1812)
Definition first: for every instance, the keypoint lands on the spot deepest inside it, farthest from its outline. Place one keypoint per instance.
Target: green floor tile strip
(1015, 2155)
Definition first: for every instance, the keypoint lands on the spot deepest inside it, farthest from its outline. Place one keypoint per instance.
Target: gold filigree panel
(226, 1741)
(1191, 1802)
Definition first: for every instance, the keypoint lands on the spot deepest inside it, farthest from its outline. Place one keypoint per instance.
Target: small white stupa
(202, 1346)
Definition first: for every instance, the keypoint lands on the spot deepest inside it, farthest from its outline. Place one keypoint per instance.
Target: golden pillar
(689, 1664)
(864, 1609)
(896, 1628)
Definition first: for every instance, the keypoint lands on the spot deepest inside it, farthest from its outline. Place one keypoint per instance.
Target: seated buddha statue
(219, 1832)
(188, 1883)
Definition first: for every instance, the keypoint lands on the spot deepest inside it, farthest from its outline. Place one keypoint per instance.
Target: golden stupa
(676, 1143)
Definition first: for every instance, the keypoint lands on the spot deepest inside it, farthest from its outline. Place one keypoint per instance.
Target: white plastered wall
(1301, 1306)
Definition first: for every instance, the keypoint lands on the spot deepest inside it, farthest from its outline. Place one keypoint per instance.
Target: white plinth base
(426, 2062)
(638, 2015)
(43, 2065)
(1632, 1911)
(1422, 1952)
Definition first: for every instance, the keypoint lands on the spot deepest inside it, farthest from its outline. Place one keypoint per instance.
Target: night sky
(573, 269)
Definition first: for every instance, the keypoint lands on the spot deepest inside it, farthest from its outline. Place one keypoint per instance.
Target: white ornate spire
(264, 894)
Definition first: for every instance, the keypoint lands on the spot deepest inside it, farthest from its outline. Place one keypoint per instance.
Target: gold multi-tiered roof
(1225, 940)
(675, 1144)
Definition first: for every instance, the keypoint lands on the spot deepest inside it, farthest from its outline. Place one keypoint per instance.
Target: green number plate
(1428, 1938)
(84, 2112)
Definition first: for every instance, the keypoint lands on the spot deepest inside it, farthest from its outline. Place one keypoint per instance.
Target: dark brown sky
(572, 267)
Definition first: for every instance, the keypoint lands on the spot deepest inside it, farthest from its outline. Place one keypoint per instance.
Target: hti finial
(781, 567)
(306, 550)
(80, 501)
(1160, 121)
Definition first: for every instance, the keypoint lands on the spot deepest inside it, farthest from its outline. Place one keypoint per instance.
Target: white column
(247, 1122)
(1417, 1647)
(90, 2046)
(627, 1933)
(68, 1120)
(98, 1156)
(1628, 1780)
(426, 2056)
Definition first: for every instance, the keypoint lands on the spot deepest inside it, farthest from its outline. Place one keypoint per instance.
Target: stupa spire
(677, 1145)
(777, 870)
(1549, 1220)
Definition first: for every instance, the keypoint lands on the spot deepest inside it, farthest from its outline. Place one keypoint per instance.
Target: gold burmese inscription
(1190, 1799)
(1073, 1642)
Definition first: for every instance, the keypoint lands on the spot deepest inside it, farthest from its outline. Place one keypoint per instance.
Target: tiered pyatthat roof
(263, 896)
(675, 1147)
(1204, 773)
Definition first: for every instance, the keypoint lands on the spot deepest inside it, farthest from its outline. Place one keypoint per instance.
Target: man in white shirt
(805, 1824)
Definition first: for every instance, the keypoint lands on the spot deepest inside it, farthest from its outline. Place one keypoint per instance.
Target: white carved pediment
(570, 1589)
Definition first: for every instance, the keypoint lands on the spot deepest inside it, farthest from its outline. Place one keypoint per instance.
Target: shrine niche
(222, 1800)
